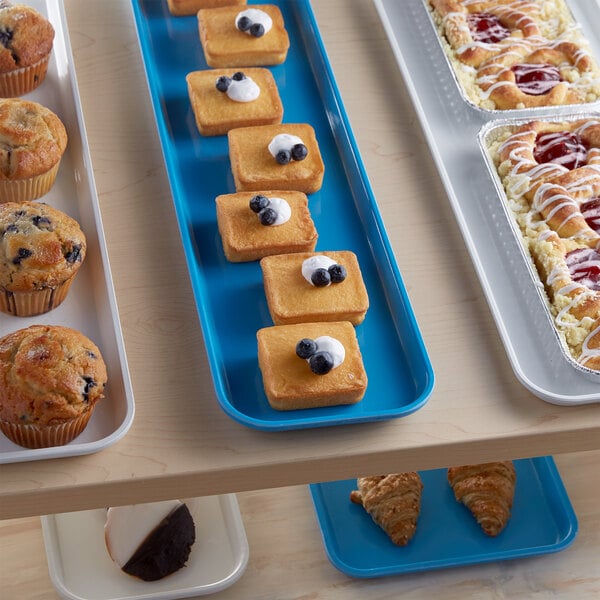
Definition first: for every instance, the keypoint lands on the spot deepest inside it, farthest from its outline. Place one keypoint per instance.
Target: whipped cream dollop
(312, 263)
(271, 211)
(283, 141)
(282, 208)
(335, 348)
(254, 21)
(243, 90)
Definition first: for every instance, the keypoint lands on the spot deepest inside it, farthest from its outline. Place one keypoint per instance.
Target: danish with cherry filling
(517, 53)
(551, 175)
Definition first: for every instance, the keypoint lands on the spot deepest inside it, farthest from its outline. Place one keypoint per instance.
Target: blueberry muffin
(33, 141)
(51, 378)
(41, 251)
(26, 39)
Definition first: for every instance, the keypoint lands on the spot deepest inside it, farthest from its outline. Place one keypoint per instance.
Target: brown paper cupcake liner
(45, 436)
(24, 80)
(36, 302)
(22, 190)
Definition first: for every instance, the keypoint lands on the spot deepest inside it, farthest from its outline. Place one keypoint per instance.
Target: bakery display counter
(181, 443)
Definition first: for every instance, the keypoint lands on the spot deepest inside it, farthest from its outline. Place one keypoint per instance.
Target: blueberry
(257, 30)
(337, 273)
(223, 83)
(21, 254)
(73, 255)
(89, 384)
(283, 157)
(267, 216)
(299, 151)
(5, 37)
(258, 202)
(40, 222)
(238, 76)
(305, 348)
(321, 363)
(320, 277)
(244, 23)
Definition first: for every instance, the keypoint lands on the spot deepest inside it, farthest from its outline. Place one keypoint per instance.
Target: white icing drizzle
(283, 141)
(588, 353)
(256, 16)
(244, 90)
(312, 263)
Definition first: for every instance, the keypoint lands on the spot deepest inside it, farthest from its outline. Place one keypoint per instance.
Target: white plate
(81, 568)
(451, 127)
(90, 306)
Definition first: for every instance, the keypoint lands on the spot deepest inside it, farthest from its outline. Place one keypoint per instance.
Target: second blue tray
(230, 297)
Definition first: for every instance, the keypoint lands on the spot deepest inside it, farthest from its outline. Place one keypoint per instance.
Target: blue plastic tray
(542, 521)
(230, 297)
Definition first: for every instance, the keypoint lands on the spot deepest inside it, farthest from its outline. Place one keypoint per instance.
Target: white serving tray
(80, 566)
(90, 306)
(451, 127)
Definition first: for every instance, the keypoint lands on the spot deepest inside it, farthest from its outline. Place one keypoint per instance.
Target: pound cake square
(292, 382)
(262, 158)
(314, 286)
(244, 236)
(234, 36)
(181, 8)
(223, 99)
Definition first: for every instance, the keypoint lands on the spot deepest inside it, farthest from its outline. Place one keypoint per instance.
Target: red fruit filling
(536, 80)
(584, 266)
(562, 148)
(486, 28)
(591, 213)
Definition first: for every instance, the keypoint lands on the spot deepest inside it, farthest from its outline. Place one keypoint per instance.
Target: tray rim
(236, 531)
(341, 121)
(545, 463)
(68, 89)
(539, 388)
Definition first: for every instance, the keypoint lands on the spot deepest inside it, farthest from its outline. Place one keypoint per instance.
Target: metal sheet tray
(80, 566)
(451, 128)
(90, 306)
(230, 296)
(542, 521)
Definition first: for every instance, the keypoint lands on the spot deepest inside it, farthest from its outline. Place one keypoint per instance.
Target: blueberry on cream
(270, 211)
(254, 22)
(286, 147)
(322, 354)
(320, 271)
(238, 87)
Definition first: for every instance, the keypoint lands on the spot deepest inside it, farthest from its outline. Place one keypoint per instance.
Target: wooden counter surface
(181, 443)
(288, 560)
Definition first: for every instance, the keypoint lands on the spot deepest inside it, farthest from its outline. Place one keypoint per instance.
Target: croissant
(393, 501)
(487, 490)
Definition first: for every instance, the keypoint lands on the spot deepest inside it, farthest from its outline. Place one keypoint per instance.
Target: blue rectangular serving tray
(542, 521)
(229, 296)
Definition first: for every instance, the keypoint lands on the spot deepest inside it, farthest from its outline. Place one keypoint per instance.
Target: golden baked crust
(40, 246)
(26, 39)
(226, 46)
(48, 375)
(487, 490)
(393, 501)
(246, 239)
(254, 168)
(216, 113)
(288, 381)
(292, 299)
(540, 32)
(554, 206)
(32, 139)
(191, 7)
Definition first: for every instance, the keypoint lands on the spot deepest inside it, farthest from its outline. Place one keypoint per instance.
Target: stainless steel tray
(451, 127)
(90, 306)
